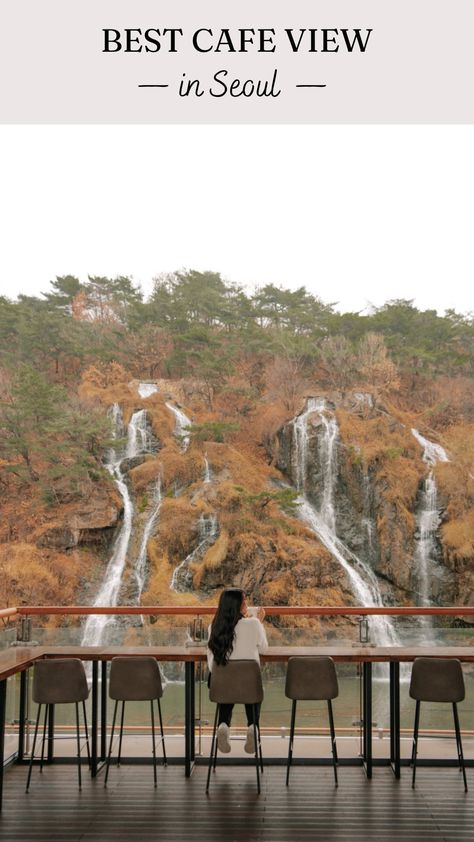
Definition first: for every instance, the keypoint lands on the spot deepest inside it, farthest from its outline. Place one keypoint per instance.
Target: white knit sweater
(249, 640)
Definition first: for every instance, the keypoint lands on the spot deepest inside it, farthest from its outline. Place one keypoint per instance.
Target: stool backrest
(59, 681)
(311, 678)
(135, 679)
(236, 683)
(437, 680)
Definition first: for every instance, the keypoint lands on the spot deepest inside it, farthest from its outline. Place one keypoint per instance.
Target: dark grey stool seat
(135, 680)
(312, 679)
(58, 682)
(437, 680)
(237, 683)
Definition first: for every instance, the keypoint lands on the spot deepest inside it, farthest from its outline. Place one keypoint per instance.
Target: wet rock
(99, 513)
(91, 521)
(58, 538)
(126, 465)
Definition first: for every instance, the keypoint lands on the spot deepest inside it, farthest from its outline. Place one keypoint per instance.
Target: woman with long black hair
(235, 634)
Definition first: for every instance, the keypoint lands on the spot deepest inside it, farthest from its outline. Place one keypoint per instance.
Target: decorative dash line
(153, 86)
(311, 86)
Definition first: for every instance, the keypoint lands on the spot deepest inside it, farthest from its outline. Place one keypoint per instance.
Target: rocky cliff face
(92, 522)
(377, 494)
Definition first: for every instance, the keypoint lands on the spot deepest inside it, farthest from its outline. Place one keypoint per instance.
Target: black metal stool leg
(290, 744)
(110, 746)
(165, 761)
(46, 717)
(38, 715)
(414, 752)
(211, 754)
(255, 737)
(333, 740)
(153, 741)
(215, 755)
(457, 735)
(51, 733)
(78, 740)
(459, 744)
(121, 734)
(260, 747)
(86, 731)
(215, 744)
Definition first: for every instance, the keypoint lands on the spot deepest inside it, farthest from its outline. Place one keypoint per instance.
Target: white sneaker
(223, 738)
(249, 746)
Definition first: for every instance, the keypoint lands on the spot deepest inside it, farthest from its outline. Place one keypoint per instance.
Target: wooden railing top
(270, 610)
(8, 612)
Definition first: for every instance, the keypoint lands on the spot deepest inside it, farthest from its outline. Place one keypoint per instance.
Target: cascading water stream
(145, 390)
(139, 437)
(182, 422)
(95, 627)
(432, 453)
(140, 567)
(208, 525)
(323, 522)
(208, 531)
(367, 521)
(428, 520)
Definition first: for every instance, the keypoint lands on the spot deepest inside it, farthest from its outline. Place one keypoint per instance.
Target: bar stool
(62, 681)
(237, 683)
(135, 680)
(312, 679)
(437, 680)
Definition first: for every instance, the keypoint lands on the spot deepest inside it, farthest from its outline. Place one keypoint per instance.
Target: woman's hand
(261, 614)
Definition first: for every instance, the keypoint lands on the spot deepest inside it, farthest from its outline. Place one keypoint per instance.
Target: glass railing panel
(7, 636)
(312, 727)
(312, 631)
(170, 630)
(137, 718)
(432, 630)
(11, 716)
(436, 723)
(304, 631)
(119, 630)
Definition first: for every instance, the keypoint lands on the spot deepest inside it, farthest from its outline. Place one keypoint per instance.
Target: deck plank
(310, 809)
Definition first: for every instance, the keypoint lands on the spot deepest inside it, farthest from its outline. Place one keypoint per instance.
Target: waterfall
(428, 519)
(181, 421)
(115, 414)
(140, 564)
(367, 521)
(323, 521)
(328, 459)
(432, 453)
(208, 531)
(108, 594)
(207, 471)
(369, 531)
(139, 436)
(145, 390)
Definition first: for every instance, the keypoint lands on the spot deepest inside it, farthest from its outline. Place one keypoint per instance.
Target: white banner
(251, 61)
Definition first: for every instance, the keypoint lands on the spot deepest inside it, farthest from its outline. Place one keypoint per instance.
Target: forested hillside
(219, 498)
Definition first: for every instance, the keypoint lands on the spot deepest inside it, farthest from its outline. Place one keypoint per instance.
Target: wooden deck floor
(310, 809)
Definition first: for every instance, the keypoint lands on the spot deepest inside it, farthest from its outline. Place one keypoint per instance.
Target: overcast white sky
(357, 214)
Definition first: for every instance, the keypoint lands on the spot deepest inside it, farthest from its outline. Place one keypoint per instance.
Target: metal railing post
(23, 630)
